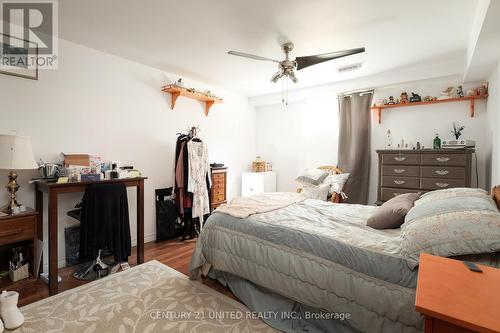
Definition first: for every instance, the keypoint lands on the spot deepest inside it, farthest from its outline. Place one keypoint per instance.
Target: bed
(318, 255)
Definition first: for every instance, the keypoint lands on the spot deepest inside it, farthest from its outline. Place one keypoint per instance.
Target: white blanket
(242, 207)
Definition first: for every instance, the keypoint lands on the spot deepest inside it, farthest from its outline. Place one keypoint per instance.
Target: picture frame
(24, 58)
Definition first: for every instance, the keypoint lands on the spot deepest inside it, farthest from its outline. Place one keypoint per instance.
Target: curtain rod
(361, 92)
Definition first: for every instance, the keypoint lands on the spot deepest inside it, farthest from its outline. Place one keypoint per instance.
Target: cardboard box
(76, 159)
(20, 273)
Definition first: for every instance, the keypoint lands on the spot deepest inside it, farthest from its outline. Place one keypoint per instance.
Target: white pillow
(336, 182)
(319, 192)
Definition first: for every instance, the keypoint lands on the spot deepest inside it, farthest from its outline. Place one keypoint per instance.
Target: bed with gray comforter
(319, 254)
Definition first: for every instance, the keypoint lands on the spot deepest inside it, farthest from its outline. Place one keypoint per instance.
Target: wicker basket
(259, 165)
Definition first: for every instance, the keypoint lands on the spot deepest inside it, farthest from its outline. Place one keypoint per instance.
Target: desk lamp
(15, 154)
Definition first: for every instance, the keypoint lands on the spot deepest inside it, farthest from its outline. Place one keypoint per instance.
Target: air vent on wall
(349, 68)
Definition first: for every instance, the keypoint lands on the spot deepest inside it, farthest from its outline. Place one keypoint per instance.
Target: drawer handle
(442, 172)
(442, 185)
(400, 158)
(442, 159)
(399, 182)
(399, 170)
(10, 232)
(396, 194)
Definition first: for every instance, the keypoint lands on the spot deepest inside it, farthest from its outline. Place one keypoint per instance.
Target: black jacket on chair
(105, 222)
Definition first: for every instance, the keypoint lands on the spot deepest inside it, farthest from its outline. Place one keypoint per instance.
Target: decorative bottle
(437, 142)
(388, 140)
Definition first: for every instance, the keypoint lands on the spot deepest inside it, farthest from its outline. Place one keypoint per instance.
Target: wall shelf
(471, 99)
(177, 91)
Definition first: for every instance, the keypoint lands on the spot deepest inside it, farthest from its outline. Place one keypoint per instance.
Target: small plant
(457, 130)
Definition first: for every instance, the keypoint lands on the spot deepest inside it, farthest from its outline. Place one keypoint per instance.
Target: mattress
(319, 254)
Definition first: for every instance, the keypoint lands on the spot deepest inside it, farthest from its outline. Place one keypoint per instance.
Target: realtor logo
(29, 28)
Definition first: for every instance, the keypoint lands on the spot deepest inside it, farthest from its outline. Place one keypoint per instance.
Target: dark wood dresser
(410, 171)
(219, 187)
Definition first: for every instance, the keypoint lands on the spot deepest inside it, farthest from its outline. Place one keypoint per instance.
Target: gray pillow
(312, 176)
(450, 227)
(392, 212)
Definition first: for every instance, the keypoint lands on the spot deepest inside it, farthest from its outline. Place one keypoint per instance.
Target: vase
(11, 316)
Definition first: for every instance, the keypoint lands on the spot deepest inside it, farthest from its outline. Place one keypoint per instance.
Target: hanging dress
(198, 169)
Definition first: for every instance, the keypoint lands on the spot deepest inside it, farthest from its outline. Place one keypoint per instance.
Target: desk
(455, 299)
(53, 190)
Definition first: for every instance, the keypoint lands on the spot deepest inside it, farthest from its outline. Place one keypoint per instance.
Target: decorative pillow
(451, 226)
(319, 192)
(312, 176)
(452, 193)
(336, 182)
(392, 212)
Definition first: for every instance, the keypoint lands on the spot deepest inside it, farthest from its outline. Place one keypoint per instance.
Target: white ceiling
(192, 37)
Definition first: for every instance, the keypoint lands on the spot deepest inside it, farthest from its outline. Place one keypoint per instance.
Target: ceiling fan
(286, 67)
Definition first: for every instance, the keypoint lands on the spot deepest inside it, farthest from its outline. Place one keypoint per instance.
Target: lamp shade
(16, 153)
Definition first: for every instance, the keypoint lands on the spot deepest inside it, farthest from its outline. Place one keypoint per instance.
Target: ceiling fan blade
(303, 62)
(251, 56)
(278, 75)
(292, 77)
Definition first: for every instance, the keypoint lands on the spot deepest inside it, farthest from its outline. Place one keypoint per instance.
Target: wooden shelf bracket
(173, 99)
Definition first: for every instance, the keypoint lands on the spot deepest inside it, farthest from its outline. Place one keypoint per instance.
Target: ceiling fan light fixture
(276, 76)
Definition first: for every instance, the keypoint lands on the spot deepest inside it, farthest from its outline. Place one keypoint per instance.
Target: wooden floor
(172, 253)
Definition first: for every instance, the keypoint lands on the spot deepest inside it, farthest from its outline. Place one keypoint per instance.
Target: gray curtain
(354, 144)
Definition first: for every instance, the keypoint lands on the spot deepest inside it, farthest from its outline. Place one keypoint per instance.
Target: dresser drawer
(443, 172)
(218, 175)
(18, 229)
(400, 170)
(389, 193)
(402, 182)
(439, 184)
(218, 198)
(218, 186)
(444, 159)
(401, 158)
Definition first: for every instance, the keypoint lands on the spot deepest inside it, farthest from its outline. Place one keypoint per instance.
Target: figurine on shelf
(429, 98)
(483, 90)
(398, 101)
(471, 92)
(404, 97)
(391, 101)
(415, 98)
(457, 131)
(450, 92)
(460, 92)
(179, 83)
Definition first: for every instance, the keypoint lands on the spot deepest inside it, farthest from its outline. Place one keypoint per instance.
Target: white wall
(280, 138)
(113, 107)
(295, 138)
(493, 128)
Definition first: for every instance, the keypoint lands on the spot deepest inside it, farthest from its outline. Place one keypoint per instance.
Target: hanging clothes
(105, 222)
(198, 169)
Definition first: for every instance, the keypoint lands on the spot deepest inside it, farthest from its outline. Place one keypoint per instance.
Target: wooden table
(53, 190)
(455, 299)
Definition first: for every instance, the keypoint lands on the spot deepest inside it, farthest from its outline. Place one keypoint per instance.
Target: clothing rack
(192, 181)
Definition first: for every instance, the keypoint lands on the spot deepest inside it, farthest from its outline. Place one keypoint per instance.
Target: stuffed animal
(404, 97)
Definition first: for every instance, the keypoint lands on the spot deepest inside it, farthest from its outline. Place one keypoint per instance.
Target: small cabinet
(219, 187)
(258, 182)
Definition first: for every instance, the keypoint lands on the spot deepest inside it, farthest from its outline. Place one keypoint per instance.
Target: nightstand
(18, 228)
(454, 299)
